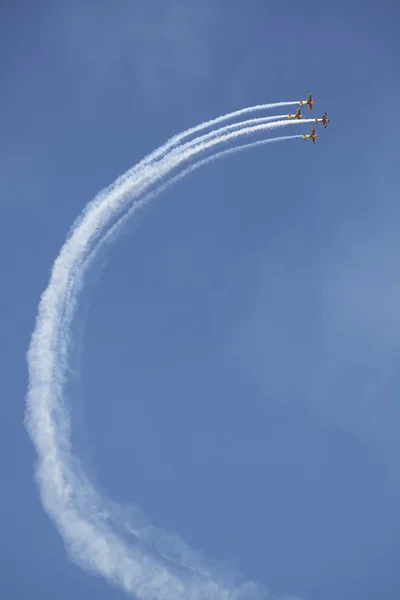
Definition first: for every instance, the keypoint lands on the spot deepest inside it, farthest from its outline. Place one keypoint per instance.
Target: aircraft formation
(309, 102)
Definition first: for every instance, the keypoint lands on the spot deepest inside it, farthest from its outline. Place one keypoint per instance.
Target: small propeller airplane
(324, 120)
(297, 115)
(309, 102)
(312, 136)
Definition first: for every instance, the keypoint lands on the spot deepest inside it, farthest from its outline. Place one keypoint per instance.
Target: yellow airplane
(324, 120)
(309, 102)
(297, 115)
(312, 136)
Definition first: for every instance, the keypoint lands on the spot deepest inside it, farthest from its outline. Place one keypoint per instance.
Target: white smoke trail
(174, 141)
(67, 495)
(114, 231)
(137, 179)
(232, 115)
(155, 156)
(177, 139)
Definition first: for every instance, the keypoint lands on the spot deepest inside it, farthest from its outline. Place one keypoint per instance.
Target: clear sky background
(239, 372)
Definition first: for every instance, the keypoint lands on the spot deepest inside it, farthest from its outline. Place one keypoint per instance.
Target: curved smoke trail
(75, 506)
(177, 139)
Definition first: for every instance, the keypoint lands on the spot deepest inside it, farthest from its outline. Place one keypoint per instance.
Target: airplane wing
(313, 140)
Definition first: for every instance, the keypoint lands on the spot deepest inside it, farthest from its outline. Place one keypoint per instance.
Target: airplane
(324, 120)
(309, 102)
(297, 115)
(312, 136)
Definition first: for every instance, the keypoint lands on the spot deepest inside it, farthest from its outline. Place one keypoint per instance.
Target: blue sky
(239, 364)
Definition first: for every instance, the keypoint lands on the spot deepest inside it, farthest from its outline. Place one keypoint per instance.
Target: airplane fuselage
(324, 120)
(308, 102)
(311, 137)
